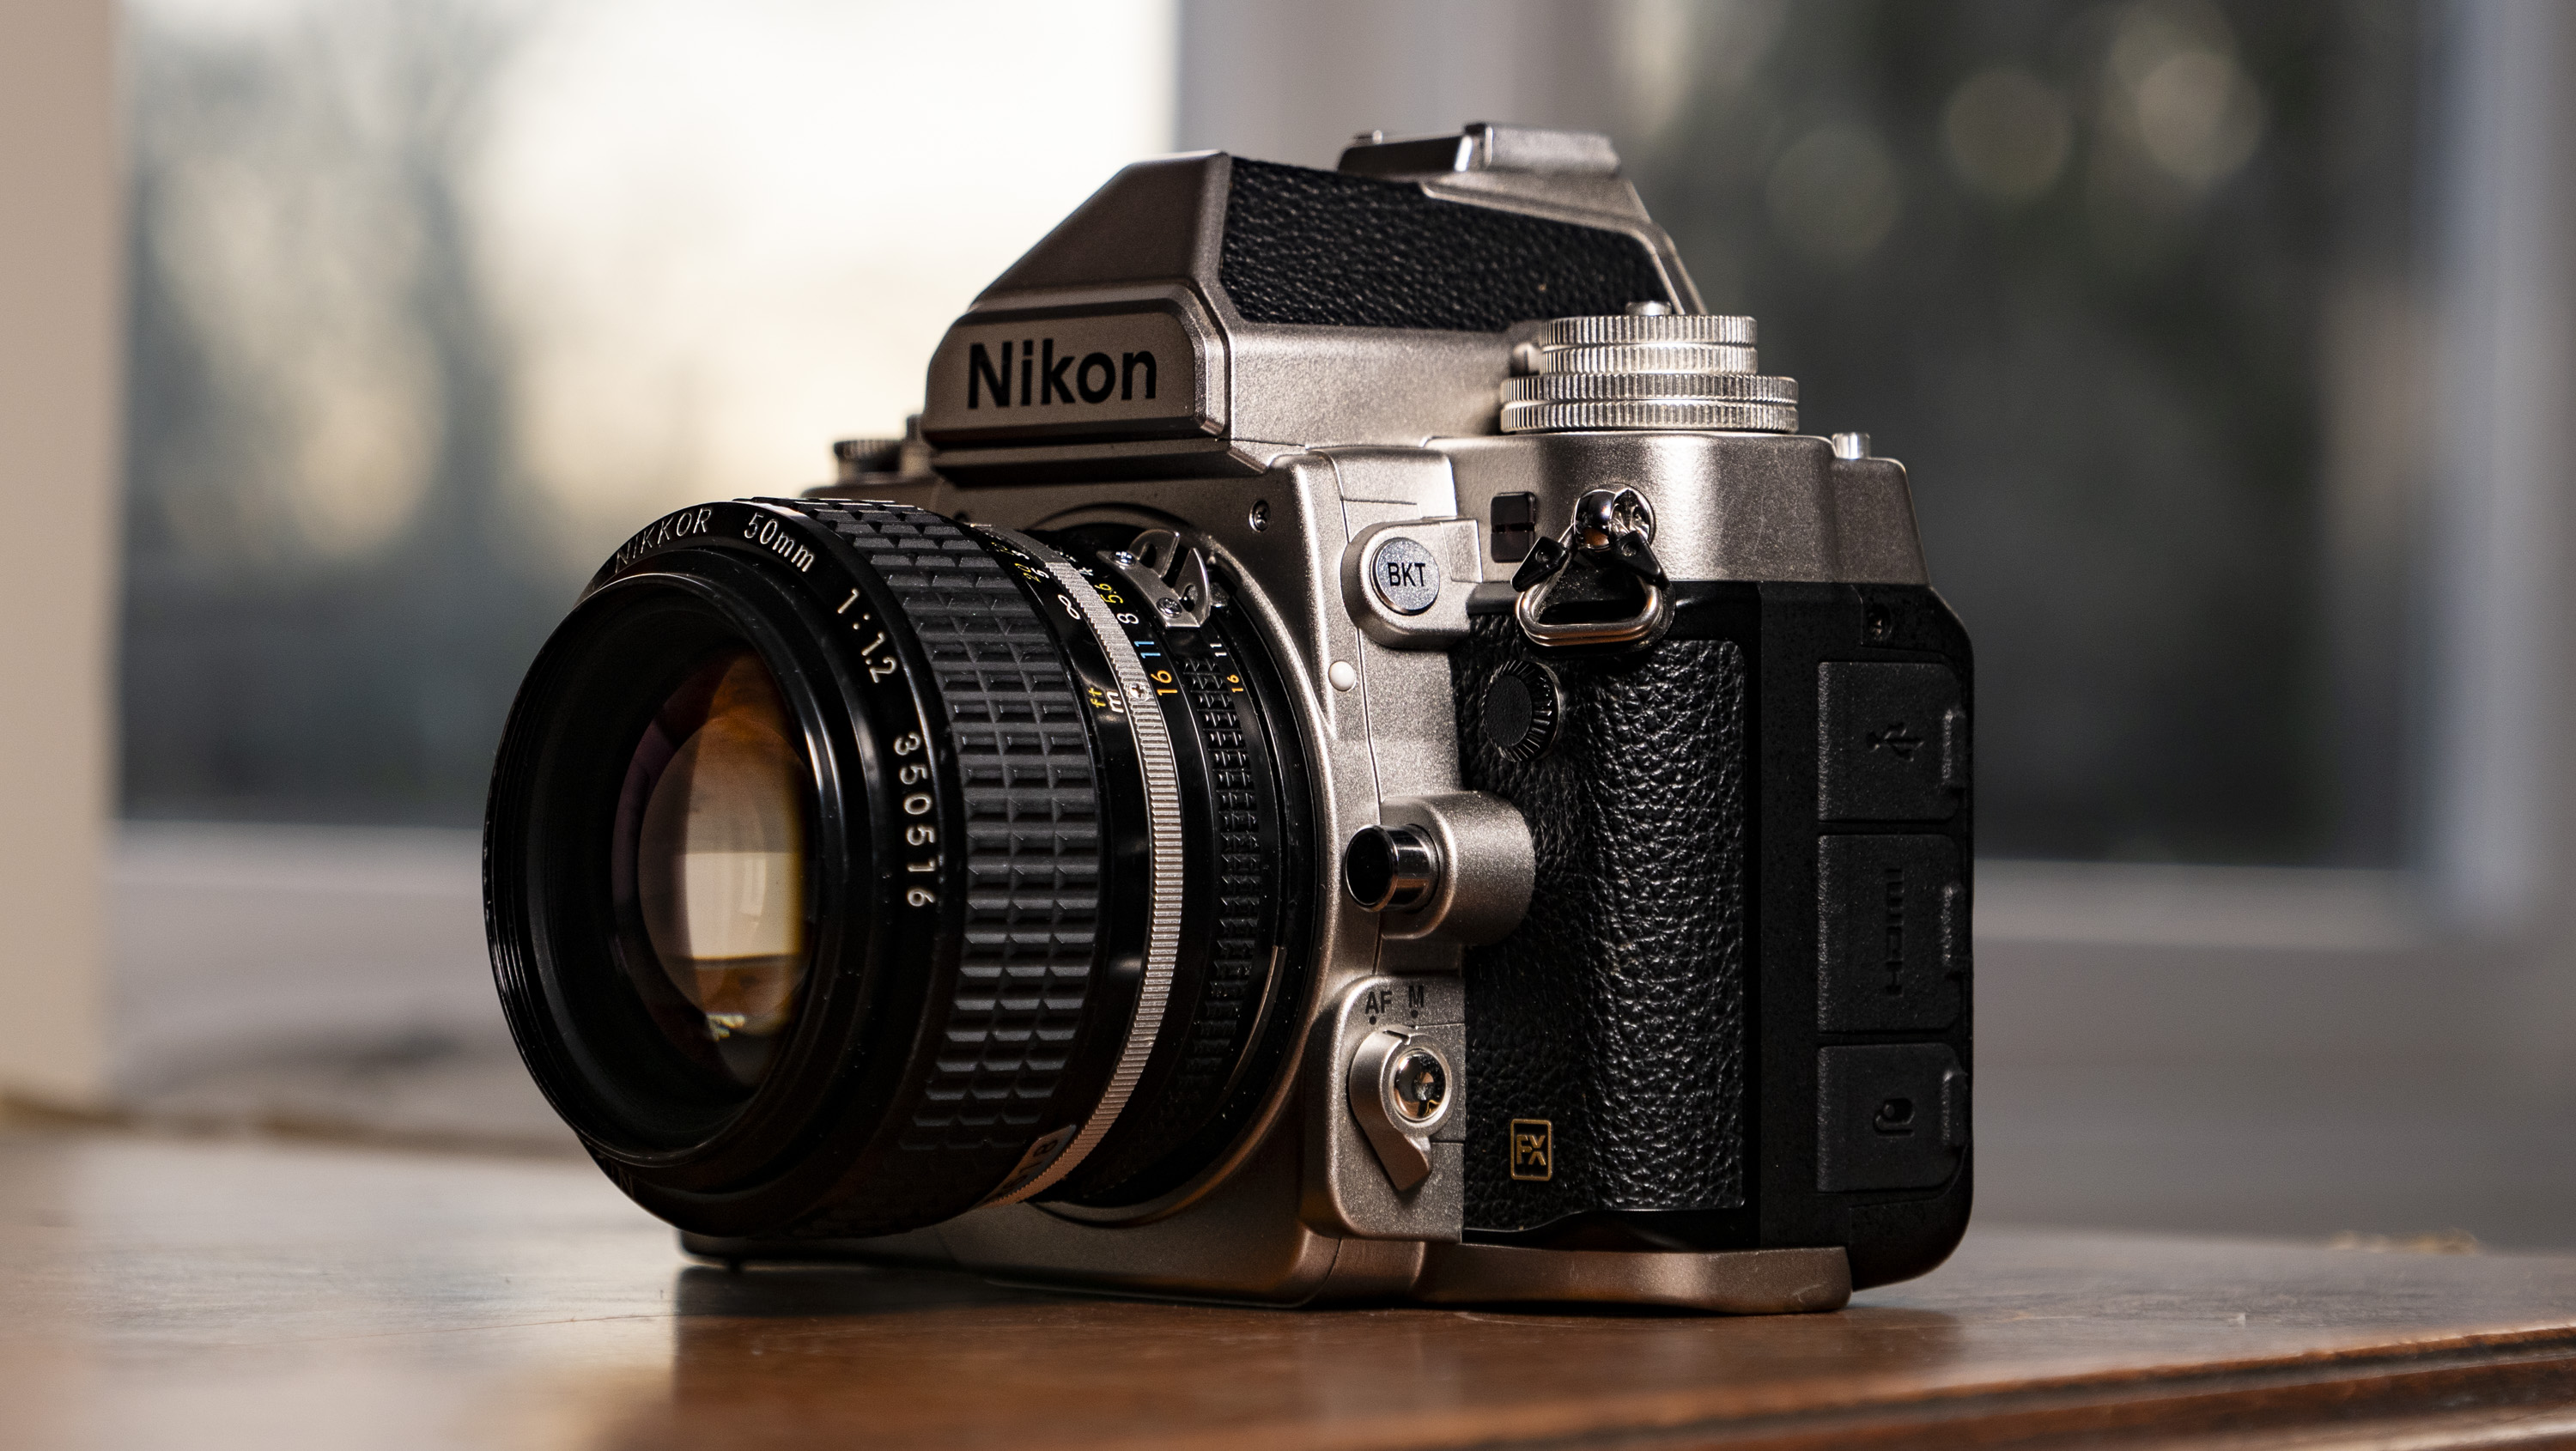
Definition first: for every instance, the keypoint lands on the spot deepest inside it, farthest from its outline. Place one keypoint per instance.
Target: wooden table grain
(189, 1293)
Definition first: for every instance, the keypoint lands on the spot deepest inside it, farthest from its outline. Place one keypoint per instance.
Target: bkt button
(1892, 743)
(1405, 574)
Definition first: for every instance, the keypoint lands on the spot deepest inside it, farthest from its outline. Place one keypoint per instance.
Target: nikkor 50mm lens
(848, 867)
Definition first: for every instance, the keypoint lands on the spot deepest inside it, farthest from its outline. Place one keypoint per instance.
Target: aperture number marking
(879, 666)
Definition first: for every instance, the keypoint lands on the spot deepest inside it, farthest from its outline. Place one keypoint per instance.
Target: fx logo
(1533, 1149)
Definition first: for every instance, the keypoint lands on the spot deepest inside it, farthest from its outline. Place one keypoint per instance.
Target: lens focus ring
(1033, 846)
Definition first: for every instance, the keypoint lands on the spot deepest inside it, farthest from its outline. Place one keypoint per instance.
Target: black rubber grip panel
(1322, 248)
(1616, 1011)
(1033, 850)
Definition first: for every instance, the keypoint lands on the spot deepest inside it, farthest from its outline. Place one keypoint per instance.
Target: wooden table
(168, 1293)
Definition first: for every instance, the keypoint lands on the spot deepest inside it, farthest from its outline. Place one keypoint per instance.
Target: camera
(1352, 752)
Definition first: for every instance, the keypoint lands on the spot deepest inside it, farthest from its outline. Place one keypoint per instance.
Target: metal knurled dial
(1647, 369)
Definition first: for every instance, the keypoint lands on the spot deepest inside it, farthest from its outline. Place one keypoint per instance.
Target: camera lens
(710, 852)
(849, 867)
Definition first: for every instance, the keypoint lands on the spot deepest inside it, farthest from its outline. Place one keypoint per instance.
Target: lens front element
(719, 860)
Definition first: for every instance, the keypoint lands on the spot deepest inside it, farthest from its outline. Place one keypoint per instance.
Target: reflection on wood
(164, 1292)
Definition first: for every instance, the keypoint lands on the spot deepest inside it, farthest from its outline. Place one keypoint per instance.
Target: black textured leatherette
(1616, 1012)
(1324, 249)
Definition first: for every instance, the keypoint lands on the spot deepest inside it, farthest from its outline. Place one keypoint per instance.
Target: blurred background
(2228, 345)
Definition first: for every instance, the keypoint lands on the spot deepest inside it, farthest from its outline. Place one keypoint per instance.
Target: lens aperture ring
(1234, 974)
(1160, 770)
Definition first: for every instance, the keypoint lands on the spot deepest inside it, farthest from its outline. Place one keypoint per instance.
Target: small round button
(1521, 710)
(1404, 574)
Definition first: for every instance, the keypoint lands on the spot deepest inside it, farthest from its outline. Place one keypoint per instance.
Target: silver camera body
(1361, 492)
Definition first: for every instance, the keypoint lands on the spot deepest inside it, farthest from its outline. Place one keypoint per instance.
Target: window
(2106, 278)
(432, 303)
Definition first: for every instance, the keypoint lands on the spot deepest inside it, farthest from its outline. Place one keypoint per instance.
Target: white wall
(59, 272)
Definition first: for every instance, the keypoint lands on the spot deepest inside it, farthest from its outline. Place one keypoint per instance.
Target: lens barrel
(1054, 874)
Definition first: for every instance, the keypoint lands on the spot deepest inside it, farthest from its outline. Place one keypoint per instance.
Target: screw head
(1260, 515)
(1417, 1085)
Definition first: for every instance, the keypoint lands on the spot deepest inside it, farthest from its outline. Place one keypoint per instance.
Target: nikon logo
(1107, 375)
(1047, 376)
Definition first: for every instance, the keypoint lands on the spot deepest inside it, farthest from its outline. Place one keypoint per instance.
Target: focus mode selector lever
(1391, 868)
(1400, 1093)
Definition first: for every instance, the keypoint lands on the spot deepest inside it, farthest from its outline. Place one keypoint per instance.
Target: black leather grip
(1615, 1014)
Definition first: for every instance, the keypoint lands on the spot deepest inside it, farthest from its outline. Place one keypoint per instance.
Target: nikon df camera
(1355, 753)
